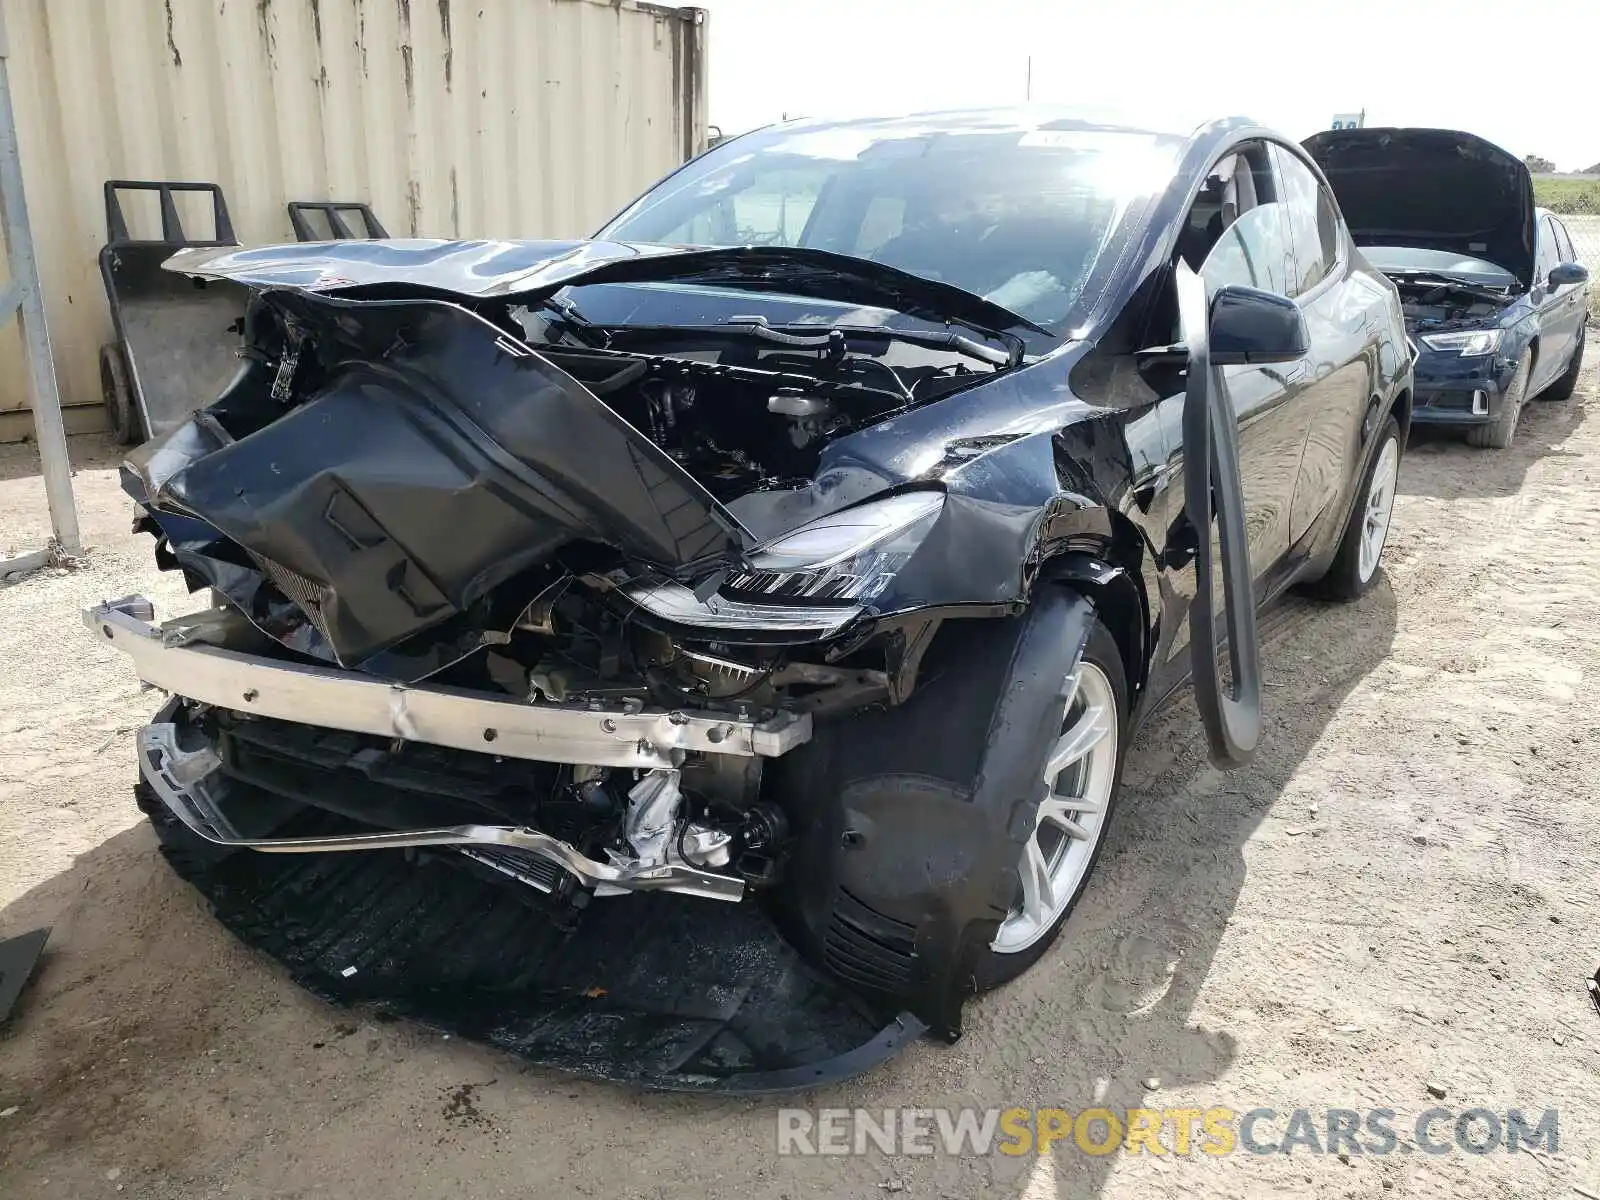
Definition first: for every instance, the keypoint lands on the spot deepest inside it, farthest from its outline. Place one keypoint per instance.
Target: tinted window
(1313, 221)
(1019, 215)
(1234, 232)
(1545, 255)
(1254, 251)
(1563, 243)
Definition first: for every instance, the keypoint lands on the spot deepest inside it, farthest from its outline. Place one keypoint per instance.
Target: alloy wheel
(1079, 774)
(1379, 507)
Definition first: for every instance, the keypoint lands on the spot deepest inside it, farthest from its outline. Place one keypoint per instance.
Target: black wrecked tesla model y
(703, 655)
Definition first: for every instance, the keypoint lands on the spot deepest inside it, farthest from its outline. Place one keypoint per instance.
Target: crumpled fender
(910, 821)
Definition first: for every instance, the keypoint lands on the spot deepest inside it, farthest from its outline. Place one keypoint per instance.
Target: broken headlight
(1470, 342)
(845, 557)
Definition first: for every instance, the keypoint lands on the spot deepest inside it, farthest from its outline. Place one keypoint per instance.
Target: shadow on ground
(1118, 994)
(20, 460)
(1543, 428)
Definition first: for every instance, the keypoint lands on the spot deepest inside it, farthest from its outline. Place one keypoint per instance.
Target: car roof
(1019, 117)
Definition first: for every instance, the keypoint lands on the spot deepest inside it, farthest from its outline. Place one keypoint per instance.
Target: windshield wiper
(571, 320)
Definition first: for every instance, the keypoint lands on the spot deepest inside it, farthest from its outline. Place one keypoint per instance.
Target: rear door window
(1313, 221)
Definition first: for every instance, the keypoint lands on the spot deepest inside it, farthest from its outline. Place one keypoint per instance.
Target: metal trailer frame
(167, 349)
(22, 296)
(332, 213)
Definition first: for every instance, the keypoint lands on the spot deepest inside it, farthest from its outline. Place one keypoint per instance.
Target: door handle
(1294, 373)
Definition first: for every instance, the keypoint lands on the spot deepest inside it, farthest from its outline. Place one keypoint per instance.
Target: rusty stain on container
(172, 45)
(449, 50)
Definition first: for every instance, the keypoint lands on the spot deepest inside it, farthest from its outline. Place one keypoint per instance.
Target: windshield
(1018, 215)
(1391, 259)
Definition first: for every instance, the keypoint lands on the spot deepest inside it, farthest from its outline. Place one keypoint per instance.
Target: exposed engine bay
(281, 498)
(748, 406)
(1433, 306)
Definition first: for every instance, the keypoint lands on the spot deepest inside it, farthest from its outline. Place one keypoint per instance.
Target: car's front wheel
(1078, 775)
(1499, 433)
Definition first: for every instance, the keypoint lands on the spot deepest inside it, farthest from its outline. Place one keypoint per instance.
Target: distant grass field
(1570, 196)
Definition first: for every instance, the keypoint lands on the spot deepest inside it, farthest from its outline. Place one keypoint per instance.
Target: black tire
(1344, 579)
(1563, 388)
(116, 393)
(993, 968)
(910, 821)
(1499, 433)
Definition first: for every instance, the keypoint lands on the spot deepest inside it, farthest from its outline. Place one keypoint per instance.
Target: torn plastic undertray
(655, 991)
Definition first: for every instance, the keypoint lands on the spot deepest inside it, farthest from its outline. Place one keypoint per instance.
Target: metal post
(24, 297)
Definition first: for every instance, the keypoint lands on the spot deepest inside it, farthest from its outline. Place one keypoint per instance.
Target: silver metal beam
(51, 434)
(454, 717)
(167, 769)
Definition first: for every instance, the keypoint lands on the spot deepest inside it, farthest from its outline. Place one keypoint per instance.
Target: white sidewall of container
(452, 118)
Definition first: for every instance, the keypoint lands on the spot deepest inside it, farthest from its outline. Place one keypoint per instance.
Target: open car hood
(530, 270)
(1438, 189)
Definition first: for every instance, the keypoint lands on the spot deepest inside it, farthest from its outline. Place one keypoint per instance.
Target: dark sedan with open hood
(704, 655)
(1494, 298)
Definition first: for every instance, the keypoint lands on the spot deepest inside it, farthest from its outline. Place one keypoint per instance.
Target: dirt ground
(1402, 891)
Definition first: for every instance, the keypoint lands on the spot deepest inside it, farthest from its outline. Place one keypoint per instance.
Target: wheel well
(1114, 588)
(1400, 410)
(1121, 606)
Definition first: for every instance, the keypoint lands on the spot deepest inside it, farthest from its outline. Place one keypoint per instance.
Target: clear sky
(1522, 73)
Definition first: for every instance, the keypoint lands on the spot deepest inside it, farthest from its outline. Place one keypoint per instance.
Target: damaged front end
(547, 616)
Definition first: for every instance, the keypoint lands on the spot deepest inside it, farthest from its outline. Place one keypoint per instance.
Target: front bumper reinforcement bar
(609, 736)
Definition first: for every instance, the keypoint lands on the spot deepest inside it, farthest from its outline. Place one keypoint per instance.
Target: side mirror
(1567, 273)
(1255, 327)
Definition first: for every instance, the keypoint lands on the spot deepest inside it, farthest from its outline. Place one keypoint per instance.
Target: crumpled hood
(482, 268)
(438, 458)
(528, 270)
(1433, 188)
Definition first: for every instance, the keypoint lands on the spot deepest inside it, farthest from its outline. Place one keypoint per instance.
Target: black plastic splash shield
(17, 958)
(659, 992)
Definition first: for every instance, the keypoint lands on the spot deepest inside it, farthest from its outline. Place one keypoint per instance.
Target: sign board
(1350, 120)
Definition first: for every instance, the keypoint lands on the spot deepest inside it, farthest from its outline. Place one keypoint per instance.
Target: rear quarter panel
(1360, 355)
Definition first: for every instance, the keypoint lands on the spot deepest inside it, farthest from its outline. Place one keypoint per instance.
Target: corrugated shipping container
(452, 118)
